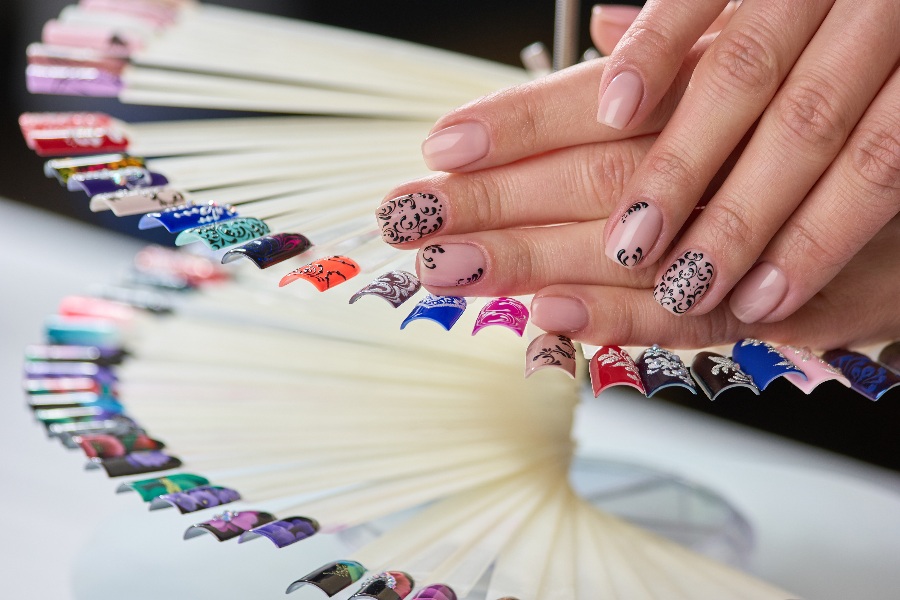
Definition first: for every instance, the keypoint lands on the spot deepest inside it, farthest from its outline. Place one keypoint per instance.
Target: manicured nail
(763, 362)
(138, 463)
(229, 524)
(620, 100)
(890, 356)
(443, 310)
(661, 368)
(611, 366)
(178, 218)
(866, 376)
(199, 498)
(550, 350)
(451, 265)
(714, 374)
(456, 146)
(324, 274)
(815, 370)
(758, 293)
(557, 313)
(225, 233)
(396, 287)
(410, 218)
(331, 578)
(508, 312)
(437, 591)
(270, 250)
(148, 489)
(634, 234)
(283, 532)
(684, 282)
(615, 13)
(400, 583)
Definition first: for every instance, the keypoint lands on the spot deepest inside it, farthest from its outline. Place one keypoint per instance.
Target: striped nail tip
(138, 463)
(410, 218)
(283, 532)
(389, 585)
(684, 282)
(395, 287)
(443, 310)
(198, 498)
(270, 250)
(715, 373)
(550, 350)
(660, 369)
(111, 446)
(611, 366)
(148, 489)
(229, 524)
(224, 233)
(890, 356)
(63, 168)
(332, 578)
(815, 370)
(763, 362)
(125, 203)
(324, 274)
(96, 183)
(506, 312)
(437, 591)
(871, 379)
(187, 216)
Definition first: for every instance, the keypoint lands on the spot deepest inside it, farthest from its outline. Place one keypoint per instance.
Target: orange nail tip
(324, 274)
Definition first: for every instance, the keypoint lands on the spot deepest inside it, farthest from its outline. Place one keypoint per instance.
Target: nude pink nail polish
(758, 293)
(620, 100)
(450, 265)
(559, 314)
(456, 146)
(634, 234)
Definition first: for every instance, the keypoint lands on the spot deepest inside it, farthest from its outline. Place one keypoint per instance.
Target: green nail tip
(149, 489)
(224, 233)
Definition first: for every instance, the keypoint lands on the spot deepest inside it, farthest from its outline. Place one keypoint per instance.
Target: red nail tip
(613, 366)
(324, 274)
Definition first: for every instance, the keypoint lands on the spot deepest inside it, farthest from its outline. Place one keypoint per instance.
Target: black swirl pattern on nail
(633, 209)
(472, 279)
(396, 287)
(551, 355)
(428, 255)
(228, 233)
(684, 282)
(629, 260)
(410, 218)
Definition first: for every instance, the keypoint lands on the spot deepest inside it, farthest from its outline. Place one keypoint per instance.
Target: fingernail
(866, 376)
(715, 374)
(550, 350)
(443, 310)
(399, 582)
(137, 463)
(270, 250)
(324, 274)
(229, 524)
(410, 218)
(634, 234)
(396, 287)
(508, 312)
(611, 365)
(763, 362)
(758, 293)
(199, 498)
(331, 578)
(283, 532)
(437, 591)
(226, 233)
(178, 218)
(148, 489)
(615, 13)
(557, 313)
(620, 100)
(815, 370)
(450, 265)
(661, 368)
(456, 146)
(684, 282)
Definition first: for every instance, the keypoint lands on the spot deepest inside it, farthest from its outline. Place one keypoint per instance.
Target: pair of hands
(781, 120)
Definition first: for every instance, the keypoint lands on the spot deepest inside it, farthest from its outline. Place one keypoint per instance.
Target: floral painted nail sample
(444, 310)
(715, 374)
(229, 524)
(148, 489)
(763, 362)
(869, 378)
(815, 370)
(284, 532)
(508, 312)
(410, 218)
(270, 250)
(390, 585)
(324, 274)
(661, 368)
(550, 350)
(684, 282)
(396, 287)
(332, 578)
(224, 233)
(195, 499)
(611, 366)
(137, 463)
(179, 218)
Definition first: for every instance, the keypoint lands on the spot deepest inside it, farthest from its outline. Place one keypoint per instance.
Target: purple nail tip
(284, 532)
(195, 499)
(507, 312)
(229, 524)
(270, 250)
(79, 82)
(871, 379)
(131, 178)
(437, 591)
(178, 218)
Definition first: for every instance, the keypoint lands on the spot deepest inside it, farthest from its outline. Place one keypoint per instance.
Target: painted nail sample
(331, 578)
(815, 370)
(229, 524)
(661, 368)
(444, 310)
(437, 591)
(866, 376)
(270, 250)
(225, 233)
(634, 234)
(130, 178)
(684, 282)
(284, 532)
(450, 265)
(179, 218)
(60, 330)
(324, 274)
(550, 350)
(763, 362)
(198, 498)
(111, 446)
(148, 489)
(124, 203)
(890, 356)
(137, 463)
(714, 374)
(611, 366)
(117, 425)
(61, 386)
(64, 168)
(51, 353)
(508, 312)
(410, 218)
(390, 585)
(396, 287)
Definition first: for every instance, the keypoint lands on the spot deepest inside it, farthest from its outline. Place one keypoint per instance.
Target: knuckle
(875, 158)
(742, 64)
(730, 225)
(652, 40)
(809, 113)
(521, 255)
(605, 171)
(824, 251)
(673, 169)
(528, 122)
(486, 197)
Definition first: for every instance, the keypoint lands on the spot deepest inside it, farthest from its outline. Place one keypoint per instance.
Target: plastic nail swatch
(331, 578)
(611, 366)
(198, 498)
(396, 287)
(110, 446)
(225, 233)
(443, 310)
(390, 585)
(508, 312)
(129, 178)
(186, 216)
(661, 368)
(229, 524)
(148, 489)
(550, 350)
(866, 376)
(324, 274)
(816, 370)
(270, 250)
(137, 463)
(890, 356)
(283, 532)
(763, 362)
(82, 332)
(437, 591)
(50, 353)
(64, 168)
(125, 203)
(715, 373)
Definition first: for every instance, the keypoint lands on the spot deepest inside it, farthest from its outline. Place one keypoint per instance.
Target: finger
(798, 137)
(609, 22)
(732, 85)
(648, 57)
(581, 183)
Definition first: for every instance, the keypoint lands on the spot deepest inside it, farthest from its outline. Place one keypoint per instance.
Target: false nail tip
(506, 312)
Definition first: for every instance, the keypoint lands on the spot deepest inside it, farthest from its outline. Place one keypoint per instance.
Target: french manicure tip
(507, 312)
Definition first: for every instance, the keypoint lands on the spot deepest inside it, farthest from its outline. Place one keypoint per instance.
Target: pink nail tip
(508, 312)
(550, 350)
(817, 371)
(611, 365)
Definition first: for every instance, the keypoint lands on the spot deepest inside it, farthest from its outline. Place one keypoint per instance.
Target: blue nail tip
(869, 378)
(763, 362)
(444, 310)
(225, 233)
(198, 498)
(660, 368)
(130, 178)
(270, 250)
(283, 532)
(178, 218)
